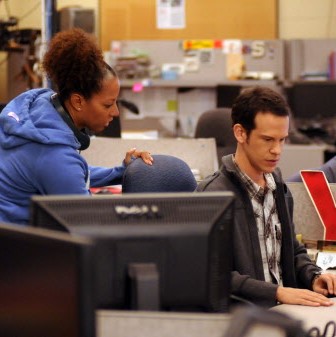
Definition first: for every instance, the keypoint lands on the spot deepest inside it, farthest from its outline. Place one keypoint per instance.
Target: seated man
(270, 266)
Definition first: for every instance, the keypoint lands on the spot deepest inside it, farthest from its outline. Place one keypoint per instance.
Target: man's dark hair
(252, 101)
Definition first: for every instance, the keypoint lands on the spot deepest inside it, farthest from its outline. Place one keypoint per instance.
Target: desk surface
(309, 316)
(143, 324)
(112, 323)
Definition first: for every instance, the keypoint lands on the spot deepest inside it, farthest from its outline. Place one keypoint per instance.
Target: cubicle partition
(307, 221)
(199, 154)
(308, 59)
(296, 157)
(187, 77)
(175, 81)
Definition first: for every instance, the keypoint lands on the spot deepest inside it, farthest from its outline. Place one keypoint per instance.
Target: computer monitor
(226, 94)
(45, 282)
(161, 251)
(312, 101)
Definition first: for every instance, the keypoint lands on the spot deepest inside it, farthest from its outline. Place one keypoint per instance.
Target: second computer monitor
(46, 281)
(179, 242)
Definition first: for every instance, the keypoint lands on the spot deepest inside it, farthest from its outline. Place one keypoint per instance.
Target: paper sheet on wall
(170, 14)
(234, 66)
(326, 260)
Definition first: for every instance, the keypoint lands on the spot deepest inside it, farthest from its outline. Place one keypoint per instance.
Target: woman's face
(98, 111)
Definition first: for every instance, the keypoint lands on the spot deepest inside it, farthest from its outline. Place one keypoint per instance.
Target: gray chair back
(217, 123)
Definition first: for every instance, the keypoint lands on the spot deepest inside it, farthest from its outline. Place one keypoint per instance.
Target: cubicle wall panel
(177, 103)
(199, 154)
(260, 55)
(306, 219)
(308, 57)
(158, 110)
(191, 105)
(300, 157)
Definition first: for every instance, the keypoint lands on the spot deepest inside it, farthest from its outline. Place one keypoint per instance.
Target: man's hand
(302, 297)
(325, 284)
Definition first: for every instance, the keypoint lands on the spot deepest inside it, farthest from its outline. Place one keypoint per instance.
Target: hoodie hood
(31, 117)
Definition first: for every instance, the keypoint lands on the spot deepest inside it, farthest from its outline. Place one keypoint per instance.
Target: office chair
(217, 124)
(167, 174)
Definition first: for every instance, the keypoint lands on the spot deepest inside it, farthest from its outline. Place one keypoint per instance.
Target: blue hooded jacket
(39, 156)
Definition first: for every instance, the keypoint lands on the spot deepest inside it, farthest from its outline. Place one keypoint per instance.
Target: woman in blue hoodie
(41, 131)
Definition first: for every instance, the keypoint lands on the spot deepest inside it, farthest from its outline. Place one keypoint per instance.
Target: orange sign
(201, 44)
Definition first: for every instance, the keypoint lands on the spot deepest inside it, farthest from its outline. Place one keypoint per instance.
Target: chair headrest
(216, 124)
(167, 174)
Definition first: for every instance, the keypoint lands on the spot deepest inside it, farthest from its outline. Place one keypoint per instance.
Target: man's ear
(240, 133)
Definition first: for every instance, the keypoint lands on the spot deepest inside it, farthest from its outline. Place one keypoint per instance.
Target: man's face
(264, 144)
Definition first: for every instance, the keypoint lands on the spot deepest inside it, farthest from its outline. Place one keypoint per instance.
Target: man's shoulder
(215, 182)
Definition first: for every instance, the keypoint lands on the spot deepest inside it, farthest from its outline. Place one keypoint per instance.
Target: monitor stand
(144, 286)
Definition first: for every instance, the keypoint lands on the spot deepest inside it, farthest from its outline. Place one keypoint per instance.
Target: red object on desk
(106, 190)
(323, 200)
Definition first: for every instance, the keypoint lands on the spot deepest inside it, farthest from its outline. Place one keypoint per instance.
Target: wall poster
(170, 14)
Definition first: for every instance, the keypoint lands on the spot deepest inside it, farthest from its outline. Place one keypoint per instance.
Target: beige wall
(304, 19)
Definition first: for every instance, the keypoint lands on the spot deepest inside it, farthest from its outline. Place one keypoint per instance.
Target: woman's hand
(133, 153)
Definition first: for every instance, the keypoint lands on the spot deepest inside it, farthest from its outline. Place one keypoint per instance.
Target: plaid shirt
(268, 225)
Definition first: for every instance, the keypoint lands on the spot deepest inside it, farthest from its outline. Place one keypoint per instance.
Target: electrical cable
(330, 327)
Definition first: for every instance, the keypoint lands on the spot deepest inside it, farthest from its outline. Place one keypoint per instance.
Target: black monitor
(45, 283)
(161, 251)
(226, 95)
(312, 101)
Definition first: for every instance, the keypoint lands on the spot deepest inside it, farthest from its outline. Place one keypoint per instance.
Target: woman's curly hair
(75, 63)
